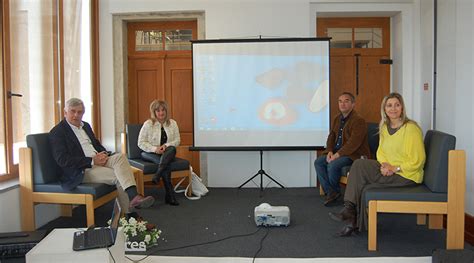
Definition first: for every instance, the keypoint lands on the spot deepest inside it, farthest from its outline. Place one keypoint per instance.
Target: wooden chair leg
(89, 210)
(421, 219)
(321, 191)
(26, 190)
(435, 221)
(456, 199)
(372, 242)
(27, 215)
(139, 181)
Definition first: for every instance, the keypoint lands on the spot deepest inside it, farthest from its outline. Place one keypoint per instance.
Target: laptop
(98, 237)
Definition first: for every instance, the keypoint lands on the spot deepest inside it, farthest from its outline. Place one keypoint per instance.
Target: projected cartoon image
(277, 112)
(280, 111)
(320, 97)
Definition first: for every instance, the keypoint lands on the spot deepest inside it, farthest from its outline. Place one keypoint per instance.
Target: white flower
(141, 226)
(132, 221)
(147, 239)
(138, 230)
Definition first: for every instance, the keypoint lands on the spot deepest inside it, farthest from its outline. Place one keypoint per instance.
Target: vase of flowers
(140, 230)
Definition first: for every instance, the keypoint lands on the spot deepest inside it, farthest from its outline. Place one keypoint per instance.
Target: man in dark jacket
(346, 142)
(83, 159)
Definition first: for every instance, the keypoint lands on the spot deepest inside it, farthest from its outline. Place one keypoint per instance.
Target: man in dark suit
(83, 159)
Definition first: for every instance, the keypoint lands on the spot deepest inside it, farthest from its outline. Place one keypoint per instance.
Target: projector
(267, 215)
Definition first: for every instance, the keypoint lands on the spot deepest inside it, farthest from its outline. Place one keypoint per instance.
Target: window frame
(58, 75)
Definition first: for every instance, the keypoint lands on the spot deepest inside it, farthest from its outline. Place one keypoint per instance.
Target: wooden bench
(441, 193)
(39, 183)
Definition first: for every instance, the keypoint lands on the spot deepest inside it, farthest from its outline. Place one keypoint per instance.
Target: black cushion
(407, 193)
(134, 153)
(45, 168)
(97, 190)
(148, 167)
(46, 171)
(437, 146)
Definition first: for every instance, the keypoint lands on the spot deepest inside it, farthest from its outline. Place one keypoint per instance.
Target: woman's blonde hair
(156, 105)
(385, 119)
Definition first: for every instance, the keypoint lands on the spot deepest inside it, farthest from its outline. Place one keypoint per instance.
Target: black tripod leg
(269, 177)
(250, 179)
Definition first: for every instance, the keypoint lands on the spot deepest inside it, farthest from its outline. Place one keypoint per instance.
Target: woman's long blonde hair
(159, 104)
(385, 119)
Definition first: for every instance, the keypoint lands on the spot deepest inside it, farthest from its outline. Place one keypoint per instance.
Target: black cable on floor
(111, 254)
(198, 244)
(261, 244)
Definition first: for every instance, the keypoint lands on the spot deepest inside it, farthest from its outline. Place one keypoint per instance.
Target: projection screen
(261, 94)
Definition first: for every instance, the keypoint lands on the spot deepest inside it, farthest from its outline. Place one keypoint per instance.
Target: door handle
(11, 94)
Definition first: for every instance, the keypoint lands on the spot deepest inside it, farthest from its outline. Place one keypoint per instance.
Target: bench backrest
(437, 146)
(45, 168)
(133, 130)
(373, 138)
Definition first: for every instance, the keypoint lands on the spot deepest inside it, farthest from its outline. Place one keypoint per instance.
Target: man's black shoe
(331, 198)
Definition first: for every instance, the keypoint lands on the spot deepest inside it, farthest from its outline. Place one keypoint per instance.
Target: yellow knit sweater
(404, 148)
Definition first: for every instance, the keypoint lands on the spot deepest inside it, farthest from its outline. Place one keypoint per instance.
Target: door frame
(120, 66)
(404, 23)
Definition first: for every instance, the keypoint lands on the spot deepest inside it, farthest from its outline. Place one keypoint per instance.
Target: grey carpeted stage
(227, 212)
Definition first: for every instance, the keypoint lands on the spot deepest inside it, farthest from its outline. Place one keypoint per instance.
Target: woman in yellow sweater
(400, 161)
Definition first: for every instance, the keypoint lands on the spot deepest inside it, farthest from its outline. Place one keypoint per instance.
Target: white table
(57, 247)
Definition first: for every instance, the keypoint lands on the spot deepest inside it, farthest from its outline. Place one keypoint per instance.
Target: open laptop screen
(115, 220)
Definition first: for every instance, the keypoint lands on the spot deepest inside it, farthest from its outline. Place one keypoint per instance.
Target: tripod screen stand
(261, 172)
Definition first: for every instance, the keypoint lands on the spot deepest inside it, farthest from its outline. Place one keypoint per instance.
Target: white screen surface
(261, 93)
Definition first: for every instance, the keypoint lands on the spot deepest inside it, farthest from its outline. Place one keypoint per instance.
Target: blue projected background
(261, 94)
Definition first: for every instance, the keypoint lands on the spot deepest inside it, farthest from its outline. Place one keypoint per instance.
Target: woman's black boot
(350, 228)
(169, 191)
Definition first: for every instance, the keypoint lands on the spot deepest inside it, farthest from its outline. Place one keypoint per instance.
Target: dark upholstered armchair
(441, 193)
(39, 183)
(179, 167)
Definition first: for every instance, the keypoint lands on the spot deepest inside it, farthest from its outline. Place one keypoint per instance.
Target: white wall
(455, 71)
(10, 211)
(278, 18)
(427, 56)
(412, 53)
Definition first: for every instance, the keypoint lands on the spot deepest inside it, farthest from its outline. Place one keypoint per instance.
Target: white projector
(267, 215)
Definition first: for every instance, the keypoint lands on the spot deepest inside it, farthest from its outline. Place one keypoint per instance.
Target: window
(368, 37)
(162, 36)
(77, 54)
(47, 61)
(363, 37)
(341, 37)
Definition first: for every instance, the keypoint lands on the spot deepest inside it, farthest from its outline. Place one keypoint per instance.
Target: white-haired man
(83, 159)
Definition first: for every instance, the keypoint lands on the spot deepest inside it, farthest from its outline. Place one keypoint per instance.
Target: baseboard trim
(469, 229)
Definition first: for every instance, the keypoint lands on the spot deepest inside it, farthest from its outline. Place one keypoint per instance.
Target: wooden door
(360, 50)
(160, 67)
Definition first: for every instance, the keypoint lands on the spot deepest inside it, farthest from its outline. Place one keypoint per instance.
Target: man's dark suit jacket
(68, 153)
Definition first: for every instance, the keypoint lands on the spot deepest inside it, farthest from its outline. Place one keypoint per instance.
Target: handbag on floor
(198, 188)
